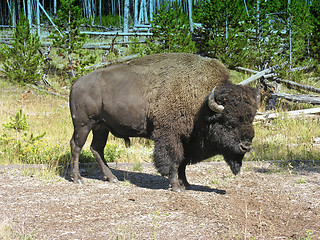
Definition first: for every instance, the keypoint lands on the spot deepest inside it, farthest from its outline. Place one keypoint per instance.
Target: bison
(185, 103)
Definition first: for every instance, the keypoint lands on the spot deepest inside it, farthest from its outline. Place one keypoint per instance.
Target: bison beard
(183, 102)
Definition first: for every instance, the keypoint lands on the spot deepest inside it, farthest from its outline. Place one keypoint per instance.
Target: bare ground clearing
(263, 202)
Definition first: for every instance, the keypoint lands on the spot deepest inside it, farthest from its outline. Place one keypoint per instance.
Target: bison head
(231, 122)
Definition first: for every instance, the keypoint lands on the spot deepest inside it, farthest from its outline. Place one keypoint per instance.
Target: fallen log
(47, 91)
(296, 113)
(258, 75)
(294, 85)
(300, 69)
(246, 70)
(298, 98)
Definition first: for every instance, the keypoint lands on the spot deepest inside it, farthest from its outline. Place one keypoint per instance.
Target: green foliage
(111, 152)
(23, 148)
(68, 21)
(270, 33)
(68, 37)
(22, 60)
(300, 31)
(223, 31)
(171, 33)
(137, 166)
(18, 123)
(315, 29)
(135, 47)
(110, 21)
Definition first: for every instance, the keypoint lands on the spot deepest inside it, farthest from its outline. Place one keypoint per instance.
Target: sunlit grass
(286, 139)
(51, 114)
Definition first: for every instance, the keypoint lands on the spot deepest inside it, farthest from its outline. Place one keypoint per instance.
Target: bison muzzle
(183, 102)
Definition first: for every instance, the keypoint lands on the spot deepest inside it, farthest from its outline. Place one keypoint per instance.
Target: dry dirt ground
(265, 201)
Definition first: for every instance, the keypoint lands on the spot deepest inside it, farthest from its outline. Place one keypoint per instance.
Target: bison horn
(213, 105)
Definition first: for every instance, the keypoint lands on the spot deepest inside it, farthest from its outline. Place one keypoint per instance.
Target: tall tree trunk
(126, 19)
(190, 14)
(151, 10)
(119, 4)
(290, 34)
(136, 7)
(258, 29)
(29, 12)
(38, 17)
(100, 12)
(54, 7)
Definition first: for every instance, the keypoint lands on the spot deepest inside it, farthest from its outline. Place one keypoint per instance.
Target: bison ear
(213, 105)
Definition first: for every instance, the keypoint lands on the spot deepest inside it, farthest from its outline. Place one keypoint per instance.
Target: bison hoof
(79, 181)
(177, 189)
(111, 180)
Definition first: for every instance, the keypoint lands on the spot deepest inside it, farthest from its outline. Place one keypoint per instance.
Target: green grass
(50, 114)
(285, 139)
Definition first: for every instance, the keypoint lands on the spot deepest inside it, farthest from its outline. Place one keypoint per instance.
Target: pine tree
(223, 31)
(315, 24)
(170, 28)
(22, 61)
(68, 37)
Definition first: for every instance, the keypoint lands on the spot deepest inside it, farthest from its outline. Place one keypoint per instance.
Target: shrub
(69, 39)
(171, 33)
(22, 61)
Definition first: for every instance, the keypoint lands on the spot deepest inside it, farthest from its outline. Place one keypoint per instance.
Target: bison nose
(245, 147)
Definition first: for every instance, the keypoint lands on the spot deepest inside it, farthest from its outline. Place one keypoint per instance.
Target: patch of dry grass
(50, 114)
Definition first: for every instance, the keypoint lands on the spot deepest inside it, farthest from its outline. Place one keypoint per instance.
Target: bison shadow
(139, 179)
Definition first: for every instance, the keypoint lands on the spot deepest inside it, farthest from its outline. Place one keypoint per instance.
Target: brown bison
(185, 103)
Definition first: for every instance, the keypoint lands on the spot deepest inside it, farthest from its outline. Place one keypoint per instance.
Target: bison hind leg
(77, 141)
(182, 176)
(99, 140)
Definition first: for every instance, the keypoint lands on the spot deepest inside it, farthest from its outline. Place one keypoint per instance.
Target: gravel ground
(263, 202)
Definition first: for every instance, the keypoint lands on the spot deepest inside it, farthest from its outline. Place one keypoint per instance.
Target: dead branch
(300, 69)
(45, 90)
(296, 113)
(298, 98)
(246, 70)
(294, 85)
(258, 75)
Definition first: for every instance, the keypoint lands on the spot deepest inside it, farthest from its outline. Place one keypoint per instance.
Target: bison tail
(127, 142)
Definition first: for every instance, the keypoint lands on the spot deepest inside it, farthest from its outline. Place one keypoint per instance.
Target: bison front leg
(168, 155)
(174, 183)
